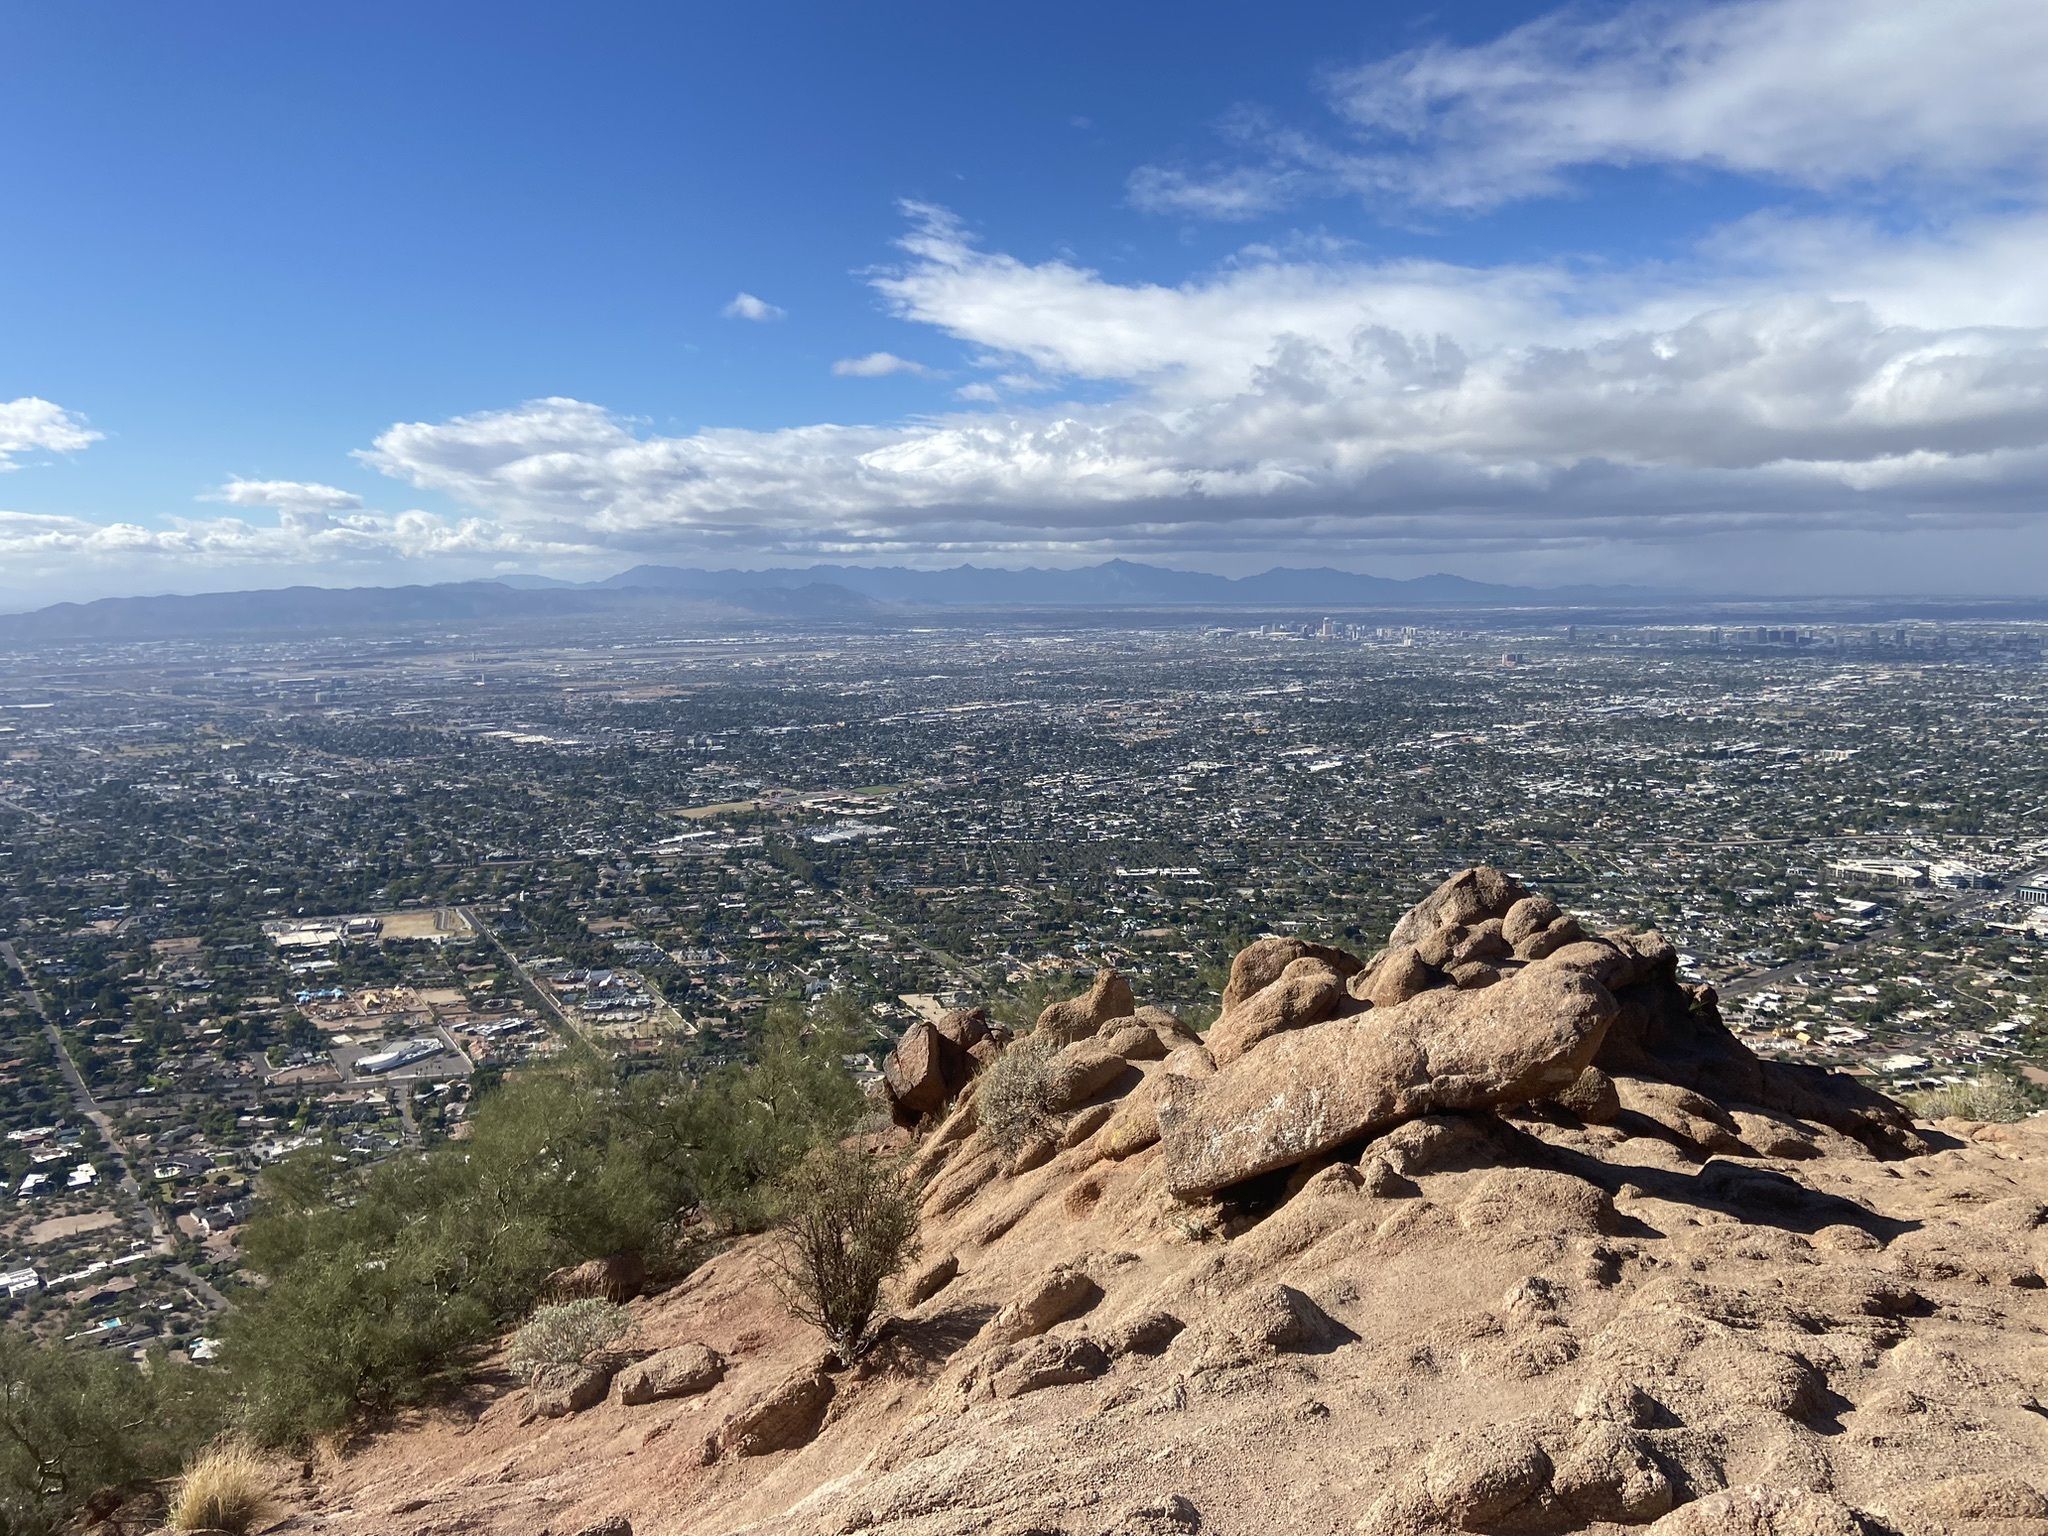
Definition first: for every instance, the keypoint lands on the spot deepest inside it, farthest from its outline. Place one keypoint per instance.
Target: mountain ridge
(816, 592)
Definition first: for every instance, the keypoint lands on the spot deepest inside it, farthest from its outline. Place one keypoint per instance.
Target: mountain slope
(1502, 1232)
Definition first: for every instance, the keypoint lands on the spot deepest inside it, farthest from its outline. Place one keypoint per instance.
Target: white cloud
(1821, 93)
(1317, 407)
(1785, 378)
(299, 504)
(745, 306)
(1235, 193)
(31, 424)
(878, 365)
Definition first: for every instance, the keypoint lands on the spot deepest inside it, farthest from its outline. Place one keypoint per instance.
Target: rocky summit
(1497, 1230)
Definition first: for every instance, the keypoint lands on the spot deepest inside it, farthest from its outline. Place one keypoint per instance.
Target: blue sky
(1735, 295)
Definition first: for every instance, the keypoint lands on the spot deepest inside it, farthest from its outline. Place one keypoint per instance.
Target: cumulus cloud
(878, 365)
(31, 424)
(745, 306)
(1820, 93)
(1318, 406)
(1789, 379)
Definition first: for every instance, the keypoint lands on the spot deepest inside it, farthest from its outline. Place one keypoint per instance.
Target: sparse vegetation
(227, 1489)
(572, 1333)
(848, 1220)
(1996, 1097)
(1011, 1101)
(384, 1282)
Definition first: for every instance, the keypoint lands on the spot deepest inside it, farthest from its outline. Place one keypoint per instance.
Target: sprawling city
(261, 896)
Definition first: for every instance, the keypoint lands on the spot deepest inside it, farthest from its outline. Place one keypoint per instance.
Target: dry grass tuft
(1982, 1098)
(227, 1489)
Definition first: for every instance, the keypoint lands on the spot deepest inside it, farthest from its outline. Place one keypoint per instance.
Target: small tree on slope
(847, 1220)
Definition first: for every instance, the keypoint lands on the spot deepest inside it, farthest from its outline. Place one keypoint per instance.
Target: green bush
(1010, 1100)
(381, 1283)
(76, 1421)
(571, 1333)
(847, 1221)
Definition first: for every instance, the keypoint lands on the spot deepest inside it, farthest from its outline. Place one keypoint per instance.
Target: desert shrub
(1984, 1098)
(847, 1220)
(725, 1138)
(1011, 1100)
(74, 1422)
(226, 1489)
(573, 1333)
(381, 1284)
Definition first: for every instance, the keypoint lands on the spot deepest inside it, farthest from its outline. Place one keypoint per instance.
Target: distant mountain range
(681, 594)
(1119, 583)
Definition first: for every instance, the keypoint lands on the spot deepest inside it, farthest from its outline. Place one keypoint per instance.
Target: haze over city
(1731, 298)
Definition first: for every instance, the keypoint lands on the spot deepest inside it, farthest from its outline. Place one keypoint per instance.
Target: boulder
(1537, 1201)
(1471, 975)
(682, 1371)
(1148, 1333)
(1056, 1296)
(1134, 1041)
(1608, 964)
(1592, 1097)
(1082, 1070)
(1079, 1017)
(1527, 918)
(1261, 963)
(785, 1417)
(1753, 1511)
(560, 1390)
(931, 1279)
(1470, 896)
(1401, 975)
(963, 1028)
(1549, 941)
(1610, 1474)
(1268, 1318)
(1687, 1117)
(1307, 992)
(615, 1278)
(1309, 1091)
(1168, 1025)
(914, 1073)
(1051, 1363)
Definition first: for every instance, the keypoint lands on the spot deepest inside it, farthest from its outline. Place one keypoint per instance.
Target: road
(569, 1032)
(151, 1224)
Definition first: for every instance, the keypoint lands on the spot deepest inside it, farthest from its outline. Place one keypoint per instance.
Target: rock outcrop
(934, 1060)
(681, 1371)
(1500, 1232)
(1311, 1091)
